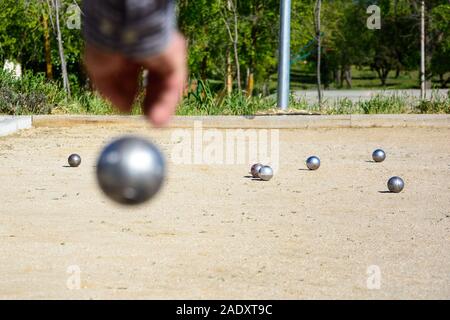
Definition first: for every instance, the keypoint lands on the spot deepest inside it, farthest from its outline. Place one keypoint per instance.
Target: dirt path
(213, 233)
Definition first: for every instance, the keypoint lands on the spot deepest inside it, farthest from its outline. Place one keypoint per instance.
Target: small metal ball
(313, 163)
(74, 160)
(378, 155)
(265, 173)
(130, 170)
(255, 169)
(396, 184)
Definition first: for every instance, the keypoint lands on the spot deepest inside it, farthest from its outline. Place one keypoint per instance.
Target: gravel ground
(214, 233)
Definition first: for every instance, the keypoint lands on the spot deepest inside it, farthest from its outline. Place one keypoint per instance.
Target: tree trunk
(422, 51)
(338, 77)
(252, 64)
(265, 88)
(348, 76)
(382, 75)
(319, 50)
(65, 75)
(47, 48)
(385, 76)
(204, 68)
(383, 79)
(342, 77)
(250, 83)
(430, 46)
(235, 45)
(379, 75)
(229, 73)
(234, 37)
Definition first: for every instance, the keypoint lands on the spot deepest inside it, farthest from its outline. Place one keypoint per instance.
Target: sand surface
(213, 233)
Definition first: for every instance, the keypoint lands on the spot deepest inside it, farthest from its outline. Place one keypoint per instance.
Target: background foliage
(352, 53)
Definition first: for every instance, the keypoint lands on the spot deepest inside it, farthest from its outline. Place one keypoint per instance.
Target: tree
(422, 51)
(231, 24)
(54, 8)
(319, 47)
(226, 37)
(440, 30)
(20, 32)
(259, 44)
(47, 47)
(201, 23)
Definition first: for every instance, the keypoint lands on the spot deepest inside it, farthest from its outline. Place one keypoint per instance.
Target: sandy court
(213, 233)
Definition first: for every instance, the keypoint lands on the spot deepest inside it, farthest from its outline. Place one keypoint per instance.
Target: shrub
(30, 94)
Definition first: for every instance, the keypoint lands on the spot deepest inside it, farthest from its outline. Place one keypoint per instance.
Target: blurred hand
(117, 78)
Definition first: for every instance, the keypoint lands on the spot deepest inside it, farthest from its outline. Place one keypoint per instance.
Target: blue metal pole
(284, 61)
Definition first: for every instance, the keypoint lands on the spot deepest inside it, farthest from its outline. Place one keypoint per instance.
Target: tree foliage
(207, 24)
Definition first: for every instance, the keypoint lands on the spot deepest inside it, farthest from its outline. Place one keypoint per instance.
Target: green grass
(204, 102)
(33, 94)
(378, 104)
(435, 105)
(362, 78)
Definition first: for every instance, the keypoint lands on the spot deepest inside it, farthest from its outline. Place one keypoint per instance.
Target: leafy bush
(14, 103)
(30, 94)
(438, 105)
(34, 94)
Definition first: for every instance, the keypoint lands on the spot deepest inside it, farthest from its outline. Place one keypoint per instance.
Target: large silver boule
(265, 173)
(396, 184)
(130, 170)
(378, 155)
(255, 169)
(313, 163)
(74, 160)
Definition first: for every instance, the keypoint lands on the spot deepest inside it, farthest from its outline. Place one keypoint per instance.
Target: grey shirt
(134, 28)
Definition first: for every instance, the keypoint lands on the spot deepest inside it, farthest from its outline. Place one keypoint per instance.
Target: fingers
(115, 77)
(167, 75)
(163, 96)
